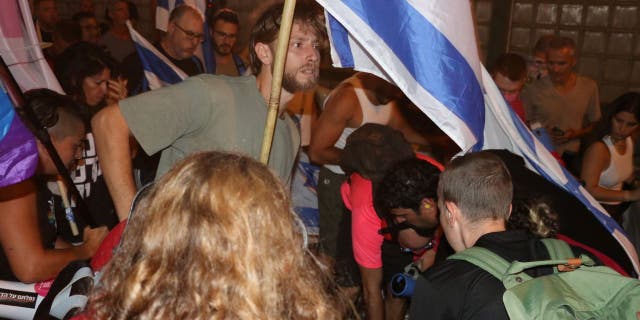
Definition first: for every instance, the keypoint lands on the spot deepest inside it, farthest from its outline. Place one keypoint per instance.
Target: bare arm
(111, 134)
(595, 161)
(372, 291)
(338, 113)
(21, 241)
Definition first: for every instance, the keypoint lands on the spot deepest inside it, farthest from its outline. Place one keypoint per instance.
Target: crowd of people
(215, 235)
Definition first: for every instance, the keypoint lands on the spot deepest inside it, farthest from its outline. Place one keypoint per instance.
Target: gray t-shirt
(206, 113)
(573, 110)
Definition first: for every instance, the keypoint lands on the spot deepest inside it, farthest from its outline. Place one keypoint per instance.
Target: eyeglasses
(190, 34)
(224, 35)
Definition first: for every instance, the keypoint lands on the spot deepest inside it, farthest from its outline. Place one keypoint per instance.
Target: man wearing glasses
(179, 44)
(224, 30)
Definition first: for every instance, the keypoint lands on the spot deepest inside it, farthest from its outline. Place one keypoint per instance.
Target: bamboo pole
(68, 211)
(276, 81)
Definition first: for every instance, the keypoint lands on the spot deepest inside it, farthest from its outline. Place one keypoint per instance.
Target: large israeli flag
(428, 49)
(158, 70)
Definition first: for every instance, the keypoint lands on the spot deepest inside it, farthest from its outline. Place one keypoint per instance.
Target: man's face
(87, 6)
(47, 14)
(90, 30)
(119, 12)
(185, 35)
(425, 220)
(510, 89)
(301, 68)
(560, 64)
(69, 148)
(537, 66)
(224, 36)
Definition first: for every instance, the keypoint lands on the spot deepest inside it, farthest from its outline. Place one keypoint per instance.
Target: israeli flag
(158, 70)
(428, 49)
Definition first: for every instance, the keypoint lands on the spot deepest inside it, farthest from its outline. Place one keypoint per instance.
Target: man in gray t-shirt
(565, 103)
(213, 112)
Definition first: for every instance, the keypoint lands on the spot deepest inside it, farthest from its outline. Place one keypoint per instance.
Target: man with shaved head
(184, 35)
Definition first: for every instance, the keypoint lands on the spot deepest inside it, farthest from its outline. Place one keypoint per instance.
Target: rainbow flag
(18, 151)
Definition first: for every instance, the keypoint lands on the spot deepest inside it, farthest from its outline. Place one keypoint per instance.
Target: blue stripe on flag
(163, 3)
(433, 61)
(207, 49)
(153, 63)
(340, 42)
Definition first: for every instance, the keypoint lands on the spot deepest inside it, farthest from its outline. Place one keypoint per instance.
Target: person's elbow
(315, 154)
(29, 270)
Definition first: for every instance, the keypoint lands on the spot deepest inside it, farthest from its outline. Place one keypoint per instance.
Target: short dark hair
(479, 184)
(511, 65)
(558, 42)
(79, 16)
(405, 185)
(53, 111)
(268, 25)
(373, 149)
(226, 15)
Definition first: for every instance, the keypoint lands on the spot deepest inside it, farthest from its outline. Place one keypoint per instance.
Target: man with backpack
(474, 198)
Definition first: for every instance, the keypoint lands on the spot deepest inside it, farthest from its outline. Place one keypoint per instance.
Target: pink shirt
(365, 223)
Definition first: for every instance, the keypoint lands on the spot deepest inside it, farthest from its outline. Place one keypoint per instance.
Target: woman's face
(94, 87)
(623, 124)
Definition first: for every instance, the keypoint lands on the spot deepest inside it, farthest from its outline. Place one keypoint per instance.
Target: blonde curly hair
(214, 239)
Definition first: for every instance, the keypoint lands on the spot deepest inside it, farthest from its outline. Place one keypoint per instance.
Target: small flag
(158, 70)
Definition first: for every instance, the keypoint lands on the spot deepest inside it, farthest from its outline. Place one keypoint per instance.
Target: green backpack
(588, 292)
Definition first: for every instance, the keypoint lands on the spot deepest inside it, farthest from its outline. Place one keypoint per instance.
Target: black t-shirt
(131, 68)
(456, 289)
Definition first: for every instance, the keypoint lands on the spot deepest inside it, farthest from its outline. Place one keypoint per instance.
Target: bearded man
(209, 112)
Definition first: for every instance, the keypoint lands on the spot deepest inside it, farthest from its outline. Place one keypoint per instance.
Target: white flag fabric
(428, 49)
(20, 48)
(158, 70)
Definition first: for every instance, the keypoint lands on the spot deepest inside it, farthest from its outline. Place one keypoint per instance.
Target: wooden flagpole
(276, 84)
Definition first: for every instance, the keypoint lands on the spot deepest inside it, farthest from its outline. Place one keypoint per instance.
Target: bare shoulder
(597, 152)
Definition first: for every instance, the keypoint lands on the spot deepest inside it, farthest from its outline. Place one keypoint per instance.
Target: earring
(427, 206)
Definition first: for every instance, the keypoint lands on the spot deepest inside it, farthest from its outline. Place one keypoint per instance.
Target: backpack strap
(558, 249)
(484, 259)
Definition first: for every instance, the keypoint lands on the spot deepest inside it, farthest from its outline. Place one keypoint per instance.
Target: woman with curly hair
(215, 238)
